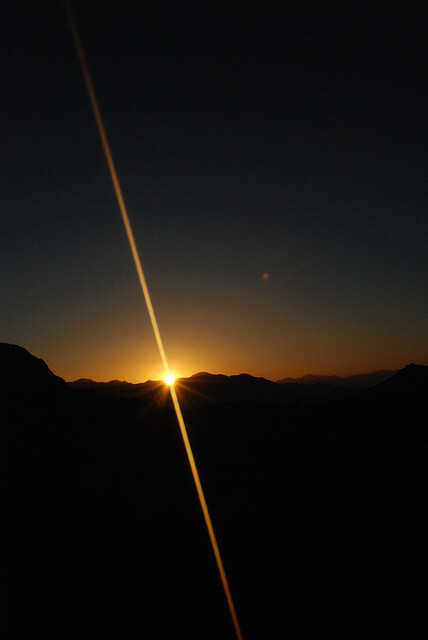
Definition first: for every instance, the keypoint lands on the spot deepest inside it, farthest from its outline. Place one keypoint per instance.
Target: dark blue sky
(282, 140)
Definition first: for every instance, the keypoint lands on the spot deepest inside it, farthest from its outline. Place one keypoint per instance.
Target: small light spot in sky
(266, 276)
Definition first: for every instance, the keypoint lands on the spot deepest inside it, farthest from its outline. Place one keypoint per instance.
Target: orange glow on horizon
(169, 378)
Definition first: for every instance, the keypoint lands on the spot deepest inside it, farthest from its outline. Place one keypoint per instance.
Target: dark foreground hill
(315, 508)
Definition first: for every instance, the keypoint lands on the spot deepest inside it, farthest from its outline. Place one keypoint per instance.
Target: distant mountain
(359, 381)
(204, 387)
(208, 388)
(119, 388)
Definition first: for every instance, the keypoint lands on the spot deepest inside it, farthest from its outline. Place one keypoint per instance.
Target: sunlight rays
(168, 376)
(169, 379)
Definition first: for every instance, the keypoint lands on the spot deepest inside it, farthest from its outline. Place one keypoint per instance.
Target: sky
(271, 157)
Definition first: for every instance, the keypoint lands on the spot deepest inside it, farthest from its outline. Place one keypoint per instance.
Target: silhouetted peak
(411, 374)
(221, 377)
(405, 388)
(247, 379)
(18, 368)
(203, 374)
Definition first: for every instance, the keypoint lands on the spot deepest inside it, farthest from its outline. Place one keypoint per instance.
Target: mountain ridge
(357, 380)
(214, 388)
(372, 377)
(20, 366)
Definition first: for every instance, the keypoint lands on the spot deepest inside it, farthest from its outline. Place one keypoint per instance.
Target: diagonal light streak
(129, 233)
(205, 511)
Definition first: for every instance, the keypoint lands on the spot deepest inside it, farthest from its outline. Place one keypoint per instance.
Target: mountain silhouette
(21, 369)
(120, 388)
(208, 388)
(408, 384)
(316, 508)
(358, 381)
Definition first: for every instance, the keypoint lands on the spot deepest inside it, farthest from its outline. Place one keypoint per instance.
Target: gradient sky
(272, 162)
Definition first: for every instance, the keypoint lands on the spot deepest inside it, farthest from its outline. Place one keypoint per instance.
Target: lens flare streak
(168, 375)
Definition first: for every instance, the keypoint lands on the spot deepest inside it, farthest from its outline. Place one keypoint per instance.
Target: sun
(169, 379)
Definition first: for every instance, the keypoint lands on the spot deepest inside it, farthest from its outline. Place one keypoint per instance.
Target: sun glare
(169, 379)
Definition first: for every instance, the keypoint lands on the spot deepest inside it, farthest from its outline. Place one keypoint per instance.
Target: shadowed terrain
(315, 507)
